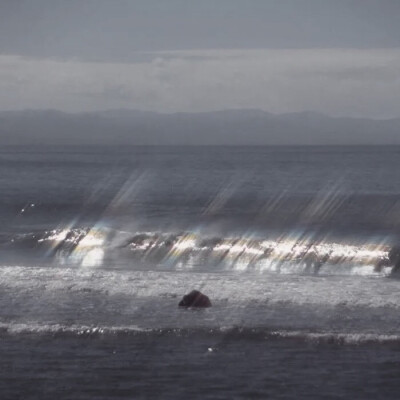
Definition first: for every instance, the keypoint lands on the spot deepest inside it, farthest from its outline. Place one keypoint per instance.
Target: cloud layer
(338, 82)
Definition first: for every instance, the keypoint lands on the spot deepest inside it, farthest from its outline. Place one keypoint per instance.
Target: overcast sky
(333, 56)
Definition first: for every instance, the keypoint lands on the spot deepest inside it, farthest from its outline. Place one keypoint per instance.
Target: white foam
(339, 338)
(36, 328)
(348, 338)
(37, 282)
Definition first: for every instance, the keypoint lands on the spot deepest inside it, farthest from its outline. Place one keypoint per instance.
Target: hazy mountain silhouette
(230, 127)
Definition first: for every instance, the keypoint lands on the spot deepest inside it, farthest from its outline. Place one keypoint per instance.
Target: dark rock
(195, 299)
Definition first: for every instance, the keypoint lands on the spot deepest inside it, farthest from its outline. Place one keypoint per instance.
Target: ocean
(295, 246)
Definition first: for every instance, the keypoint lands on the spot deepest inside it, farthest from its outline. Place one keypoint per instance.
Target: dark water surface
(188, 366)
(293, 245)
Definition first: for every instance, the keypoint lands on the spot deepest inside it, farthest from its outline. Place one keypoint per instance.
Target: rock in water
(195, 299)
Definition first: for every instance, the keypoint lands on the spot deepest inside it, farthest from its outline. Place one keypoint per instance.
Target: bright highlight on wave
(82, 246)
(248, 252)
(286, 254)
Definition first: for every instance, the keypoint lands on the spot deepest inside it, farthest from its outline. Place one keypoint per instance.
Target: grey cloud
(332, 81)
(104, 30)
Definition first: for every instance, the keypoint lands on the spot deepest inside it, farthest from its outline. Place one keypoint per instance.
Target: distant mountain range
(230, 127)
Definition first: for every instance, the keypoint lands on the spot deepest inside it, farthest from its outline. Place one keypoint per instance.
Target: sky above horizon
(341, 58)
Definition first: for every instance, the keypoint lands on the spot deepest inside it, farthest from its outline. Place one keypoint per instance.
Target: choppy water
(292, 245)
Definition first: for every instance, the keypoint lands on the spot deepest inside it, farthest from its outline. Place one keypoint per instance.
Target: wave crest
(291, 253)
(232, 333)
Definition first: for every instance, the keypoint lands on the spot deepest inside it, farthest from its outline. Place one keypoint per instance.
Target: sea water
(291, 244)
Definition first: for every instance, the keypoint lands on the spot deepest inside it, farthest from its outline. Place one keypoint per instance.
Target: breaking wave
(289, 253)
(225, 333)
